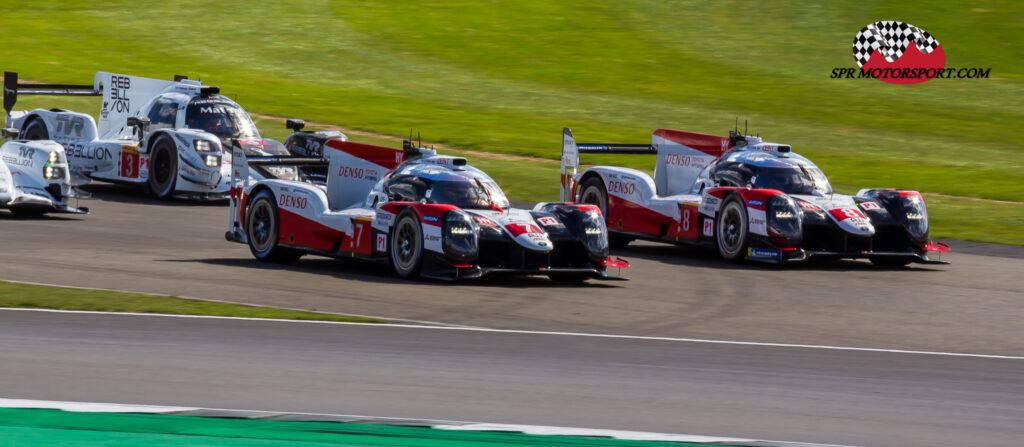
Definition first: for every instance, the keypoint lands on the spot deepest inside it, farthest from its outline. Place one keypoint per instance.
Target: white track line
(241, 303)
(526, 332)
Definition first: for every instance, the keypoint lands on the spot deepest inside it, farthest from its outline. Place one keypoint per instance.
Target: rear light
(615, 262)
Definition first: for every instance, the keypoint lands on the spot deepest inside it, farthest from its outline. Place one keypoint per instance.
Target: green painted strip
(43, 427)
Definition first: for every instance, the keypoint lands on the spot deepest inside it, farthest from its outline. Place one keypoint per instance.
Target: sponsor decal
(678, 160)
(900, 53)
(384, 217)
(382, 242)
(709, 205)
(119, 102)
(764, 253)
(615, 186)
(808, 206)
(709, 227)
(432, 237)
(753, 202)
(484, 221)
(290, 201)
(351, 172)
(548, 221)
(67, 124)
(89, 153)
(431, 219)
(870, 206)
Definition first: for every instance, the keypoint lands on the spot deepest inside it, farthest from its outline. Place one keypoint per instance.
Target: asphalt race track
(133, 243)
(791, 394)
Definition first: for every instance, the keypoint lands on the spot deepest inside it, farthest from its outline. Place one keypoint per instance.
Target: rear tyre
(890, 261)
(163, 169)
(731, 230)
(36, 130)
(592, 192)
(262, 226)
(407, 245)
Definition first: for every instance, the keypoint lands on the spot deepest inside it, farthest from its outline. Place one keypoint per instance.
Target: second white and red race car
(425, 214)
(747, 198)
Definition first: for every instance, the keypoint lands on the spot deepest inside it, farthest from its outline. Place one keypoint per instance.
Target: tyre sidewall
(163, 191)
(414, 270)
(37, 127)
(263, 196)
(733, 202)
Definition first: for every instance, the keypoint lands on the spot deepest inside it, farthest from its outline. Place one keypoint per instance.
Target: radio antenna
(737, 124)
(744, 127)
(420, 139)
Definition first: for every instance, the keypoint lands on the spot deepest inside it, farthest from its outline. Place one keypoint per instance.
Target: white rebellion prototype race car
(169, 136)
(426, 214)
(34, 177)
(748, 199)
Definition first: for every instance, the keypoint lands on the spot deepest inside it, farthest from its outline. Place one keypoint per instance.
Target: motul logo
(348, 171)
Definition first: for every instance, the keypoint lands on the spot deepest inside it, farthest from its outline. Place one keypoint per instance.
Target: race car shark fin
(570, 161)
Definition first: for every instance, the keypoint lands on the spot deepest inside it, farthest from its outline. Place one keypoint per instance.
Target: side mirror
(11, 133)
(295, 124)
(139, 124)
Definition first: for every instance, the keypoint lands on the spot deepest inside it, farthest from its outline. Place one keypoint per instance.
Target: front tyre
(36, 130)
(163, 169)
(262, 225)
(731, 230)
(407, 245)
(592, 192)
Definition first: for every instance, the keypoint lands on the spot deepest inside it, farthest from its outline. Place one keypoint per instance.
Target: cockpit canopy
(468, 189)
(219, 116)
(791, 175)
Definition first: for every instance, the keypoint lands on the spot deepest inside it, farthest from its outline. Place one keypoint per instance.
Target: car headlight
(53, 172)
(54, 158)
(916, 216)
(595, 234)
(784, 219)
(459, 237)
(203, 146)
(212, 161)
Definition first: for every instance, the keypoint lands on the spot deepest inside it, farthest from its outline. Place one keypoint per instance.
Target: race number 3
(129, 164)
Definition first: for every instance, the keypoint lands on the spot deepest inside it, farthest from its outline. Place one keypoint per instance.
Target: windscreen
(467, 194)
(792, 180)
(219, 117)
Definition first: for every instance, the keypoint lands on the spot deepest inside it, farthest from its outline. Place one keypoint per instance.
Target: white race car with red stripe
(748, 199)
(425, 214)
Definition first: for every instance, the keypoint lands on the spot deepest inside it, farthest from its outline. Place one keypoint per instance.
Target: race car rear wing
(681, 156)
(571, 151)
(12, 88)
(239, 183)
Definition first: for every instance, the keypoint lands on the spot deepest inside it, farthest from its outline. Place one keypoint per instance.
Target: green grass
(505, 77)
(47, 297)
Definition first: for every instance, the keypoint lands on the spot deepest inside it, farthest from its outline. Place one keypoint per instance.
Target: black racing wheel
(163, 168)
(731, 229)
(407, 244)
(262, 226)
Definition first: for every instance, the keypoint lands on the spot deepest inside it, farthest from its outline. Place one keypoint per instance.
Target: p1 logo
(898, 53)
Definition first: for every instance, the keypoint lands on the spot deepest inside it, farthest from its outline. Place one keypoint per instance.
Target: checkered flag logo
(892, 38)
